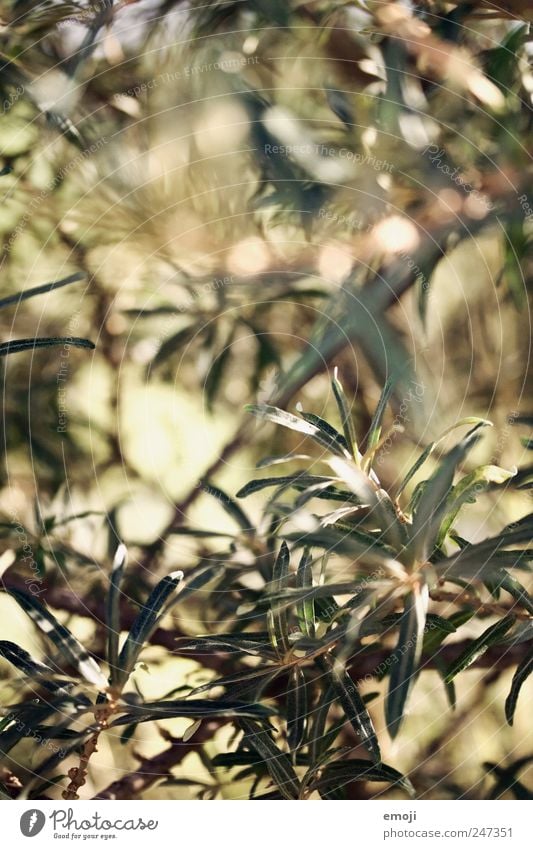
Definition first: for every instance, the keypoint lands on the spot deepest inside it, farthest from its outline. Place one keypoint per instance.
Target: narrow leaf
(230, 506)
(278, 763)
(340, 773)
(145, 623)
(432, 505)
(24, 662)
(197, 708)
(71, 649)
(40, 290)
(17, 345)
(113, 609)
(345, 416)
(296, 708)
(523, 671)
(306, 608)
(406, 656)
(278, 622)
(299, 478)
(280, 417)
(352, 704)
(375, 427)
(467, 490)
(478, 647)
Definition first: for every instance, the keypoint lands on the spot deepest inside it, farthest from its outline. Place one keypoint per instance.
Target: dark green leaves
(278, 763)
(352, 704)
(523, 671)
(491, 636)
(345, 415)
(196, 708)
(467, 491)
(145, 623)
(297, 480)
(325, 439)
(374, 432)
(42, 674)
(113, 610)
(40, 290)
(277, 619)
(306, 608)
(297, 708)
(431, 507)
(337, 775)
(65, 642)
(230, 506)
(17, 345)
(406, 656)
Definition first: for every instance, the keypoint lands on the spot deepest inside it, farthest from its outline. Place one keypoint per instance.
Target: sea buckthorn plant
(313, 603)
(265, 501)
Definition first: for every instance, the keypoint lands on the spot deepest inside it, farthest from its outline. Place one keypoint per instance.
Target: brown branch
(152, 770)
(364, 663)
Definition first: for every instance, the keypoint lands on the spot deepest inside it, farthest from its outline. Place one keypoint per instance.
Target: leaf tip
(120, 558)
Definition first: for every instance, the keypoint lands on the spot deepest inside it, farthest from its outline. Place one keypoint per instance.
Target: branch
(152, 770)
(365, 663)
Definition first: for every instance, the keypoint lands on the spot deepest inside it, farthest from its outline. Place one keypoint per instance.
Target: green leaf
(478, 647)
(216, 371)
(336, 775)
(17, 345)
(449, 686)
(467, 490)
(502, 62)
(331, 435)
(298, 479)
(317, 733)
(374, 431)
(485, 559)
(345, 416)
(172, 345)
(197, 708)
(145, 623)
(246, 643)
(356, 480)
(40, 290)
(352, 704)
(197, 579)
(113, 610)
(334, 541)
(406, 656)
(228, 760)
(523, 671)
(278, 624)
(34, 669)
(278, 763)
(515, 589)
(431, 507)
(230, 506)
(244, 676)
(267, 412)
(296, 709)
(294, 595)
(71, 649)
(305, 609)
(280, 458)
(435, 636)
(416, 466)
